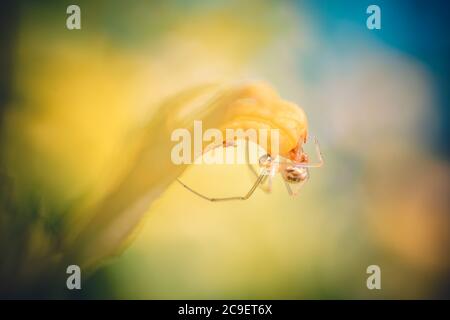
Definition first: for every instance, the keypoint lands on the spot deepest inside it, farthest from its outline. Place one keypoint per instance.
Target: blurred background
(378, 101)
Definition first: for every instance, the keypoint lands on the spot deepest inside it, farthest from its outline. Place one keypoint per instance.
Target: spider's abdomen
(295, 174)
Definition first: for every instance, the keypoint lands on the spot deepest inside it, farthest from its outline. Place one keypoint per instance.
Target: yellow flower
(86, 136)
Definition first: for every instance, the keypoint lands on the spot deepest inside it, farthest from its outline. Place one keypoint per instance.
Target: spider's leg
(266, 183)
(245, 197)
(317, 164)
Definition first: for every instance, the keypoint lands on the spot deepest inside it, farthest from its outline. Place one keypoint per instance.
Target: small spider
(294, 171)
(255, 106)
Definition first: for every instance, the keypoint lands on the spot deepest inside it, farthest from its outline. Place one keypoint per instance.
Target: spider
(258, 106)
(294, 170)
